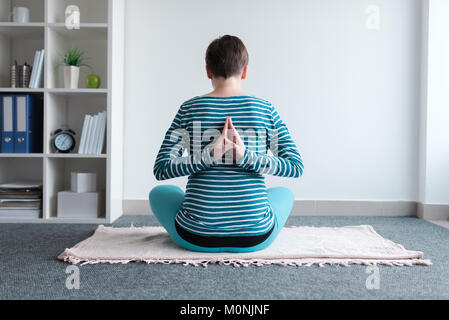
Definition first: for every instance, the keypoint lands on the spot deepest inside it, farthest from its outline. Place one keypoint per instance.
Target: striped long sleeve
(223, 198)
(285, 161)
(170, 163)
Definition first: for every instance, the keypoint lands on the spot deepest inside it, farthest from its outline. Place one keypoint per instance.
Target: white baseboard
(136, 207)
(353, 208)
(319, 208)
(433, 211)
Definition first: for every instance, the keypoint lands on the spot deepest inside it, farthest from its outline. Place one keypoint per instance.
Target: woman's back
(225, 198)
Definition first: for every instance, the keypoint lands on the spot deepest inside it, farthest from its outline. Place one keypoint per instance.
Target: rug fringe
(67, 257)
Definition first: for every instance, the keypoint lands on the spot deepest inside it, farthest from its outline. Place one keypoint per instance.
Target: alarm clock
(63, 140)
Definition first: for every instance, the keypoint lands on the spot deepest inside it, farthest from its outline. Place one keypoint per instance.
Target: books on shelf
(20, 200)
(84, 133)
(34, 69)
(37, 73)
(93, 134)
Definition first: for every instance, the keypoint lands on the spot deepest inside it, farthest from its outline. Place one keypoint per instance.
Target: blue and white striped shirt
(227, 199)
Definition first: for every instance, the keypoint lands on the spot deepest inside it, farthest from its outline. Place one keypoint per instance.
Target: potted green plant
(72, 61)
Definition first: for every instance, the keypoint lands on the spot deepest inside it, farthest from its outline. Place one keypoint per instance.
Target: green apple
(93, 81)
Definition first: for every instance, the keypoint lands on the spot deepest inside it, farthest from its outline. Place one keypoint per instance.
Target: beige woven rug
(294, 246)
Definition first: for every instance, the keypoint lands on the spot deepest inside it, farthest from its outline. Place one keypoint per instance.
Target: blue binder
(21, 124)
(28, 124)
(7, 110)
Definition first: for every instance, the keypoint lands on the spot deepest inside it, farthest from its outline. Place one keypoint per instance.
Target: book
(21, 185)
(4, 195)
(94, 137)
(34, 70)
(84, 134)
(28, 124)
(99, 133)
(93, 133)
(40, 72)
(96, 134)
(102, 133)
(7, 111)
(37, 74)
(91, 136)
(20, 203)
(88, 133)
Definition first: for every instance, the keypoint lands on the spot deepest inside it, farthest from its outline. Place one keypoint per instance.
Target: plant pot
(71, 77)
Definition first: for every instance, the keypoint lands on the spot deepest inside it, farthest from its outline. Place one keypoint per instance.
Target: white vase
(71, 77)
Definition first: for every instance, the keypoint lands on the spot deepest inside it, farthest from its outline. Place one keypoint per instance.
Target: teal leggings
(166, 200)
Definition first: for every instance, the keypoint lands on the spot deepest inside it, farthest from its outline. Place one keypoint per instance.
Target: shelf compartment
(21, 168)
(58, 174)
(20, 44)
(91, 11)
(24, 169)
(91, 40)
(37, 9)
(69, 110)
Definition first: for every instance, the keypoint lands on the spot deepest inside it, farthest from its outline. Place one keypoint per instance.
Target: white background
(349, 95)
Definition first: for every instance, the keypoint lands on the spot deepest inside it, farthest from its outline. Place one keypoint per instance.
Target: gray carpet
(29, 268)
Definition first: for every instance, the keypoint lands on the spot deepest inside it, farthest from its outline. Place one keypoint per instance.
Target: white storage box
(83, 182)
(79, 205)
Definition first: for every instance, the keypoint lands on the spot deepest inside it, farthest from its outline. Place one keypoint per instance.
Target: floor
(29, 268)
(443, 223)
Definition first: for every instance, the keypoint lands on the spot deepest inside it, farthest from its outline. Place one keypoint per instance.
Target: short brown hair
(226, 56)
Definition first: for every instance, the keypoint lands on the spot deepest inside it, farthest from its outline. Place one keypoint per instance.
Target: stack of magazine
(92, 136)
(20, 200)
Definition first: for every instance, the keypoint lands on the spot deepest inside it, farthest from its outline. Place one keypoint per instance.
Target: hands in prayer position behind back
(229, 142)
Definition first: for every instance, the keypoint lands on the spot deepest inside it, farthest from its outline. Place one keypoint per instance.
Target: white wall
(349, 95)
(435, 167)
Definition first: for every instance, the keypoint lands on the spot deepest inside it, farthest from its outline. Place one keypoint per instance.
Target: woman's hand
(220, 146)
(234, 139)
(227, 141)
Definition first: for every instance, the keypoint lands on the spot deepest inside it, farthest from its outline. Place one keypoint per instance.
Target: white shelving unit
(101, 36)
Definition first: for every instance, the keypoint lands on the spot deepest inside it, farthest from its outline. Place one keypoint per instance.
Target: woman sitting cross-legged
(227, 136)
